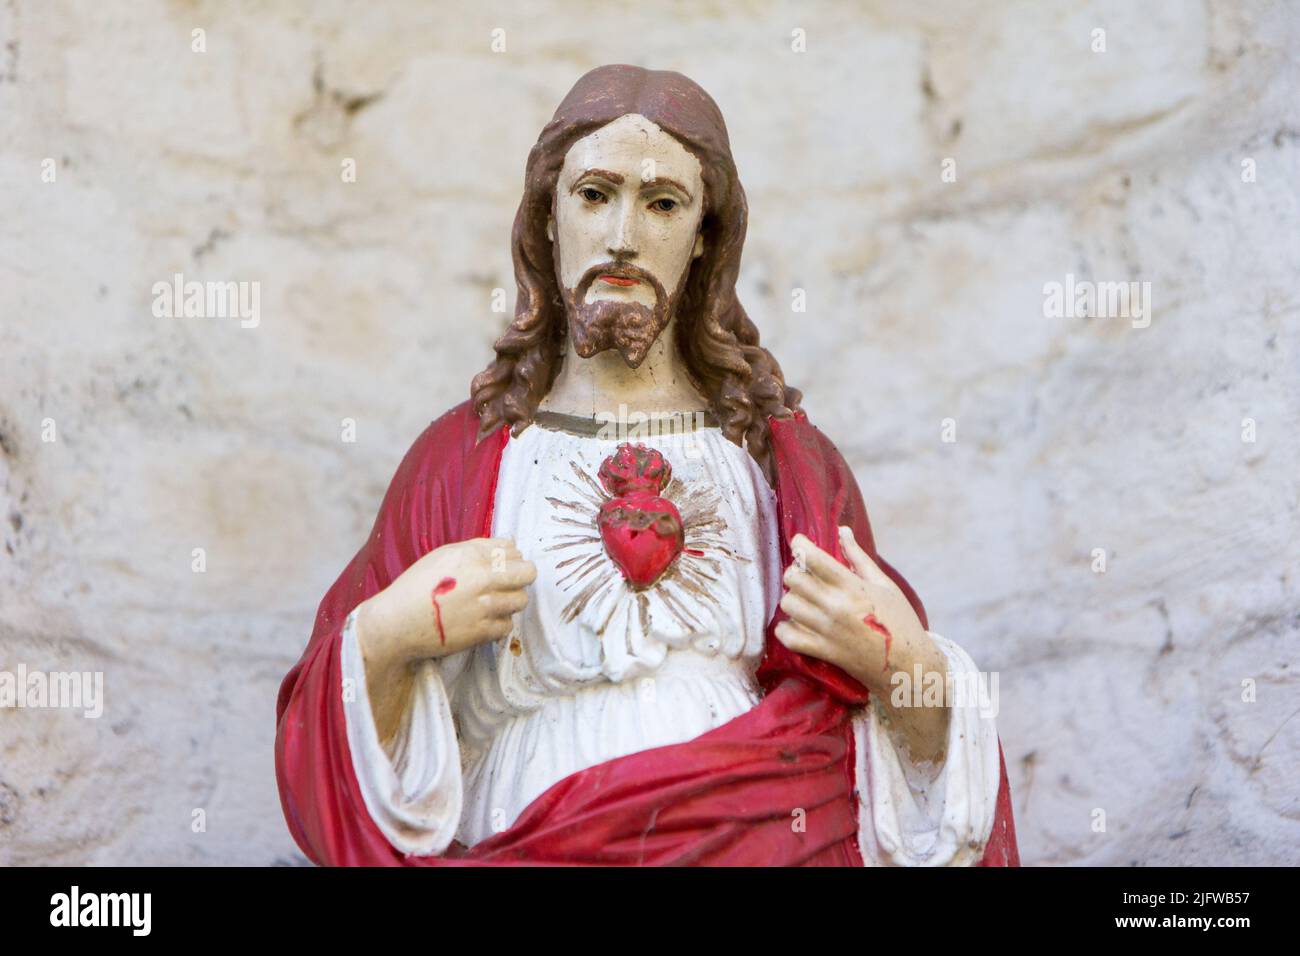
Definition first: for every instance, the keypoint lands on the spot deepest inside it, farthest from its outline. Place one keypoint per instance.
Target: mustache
(621, 270)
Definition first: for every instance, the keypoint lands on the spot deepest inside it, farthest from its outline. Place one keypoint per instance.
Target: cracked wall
(1121, 691)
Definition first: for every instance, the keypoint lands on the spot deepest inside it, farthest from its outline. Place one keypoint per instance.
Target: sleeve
(326, 807)
(820, 494)
(412, 787)
(913, 814)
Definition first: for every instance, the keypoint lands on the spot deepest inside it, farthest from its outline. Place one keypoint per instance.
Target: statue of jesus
(623, 606)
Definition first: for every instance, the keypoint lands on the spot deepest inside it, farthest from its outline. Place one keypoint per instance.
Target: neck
(600, 384)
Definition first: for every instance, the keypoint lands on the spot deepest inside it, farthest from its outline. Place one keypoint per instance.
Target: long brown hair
(716, 339)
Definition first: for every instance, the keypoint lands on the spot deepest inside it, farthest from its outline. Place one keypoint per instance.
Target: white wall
(1120, 691)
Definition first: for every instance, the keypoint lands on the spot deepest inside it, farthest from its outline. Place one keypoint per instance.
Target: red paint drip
(874, 623)
(694, 552)
(442, 587)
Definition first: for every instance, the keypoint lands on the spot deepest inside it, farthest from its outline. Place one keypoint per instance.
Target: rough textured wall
(1172, 157)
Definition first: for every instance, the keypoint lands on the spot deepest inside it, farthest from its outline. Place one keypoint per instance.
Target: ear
(550, 228)
(699, 246)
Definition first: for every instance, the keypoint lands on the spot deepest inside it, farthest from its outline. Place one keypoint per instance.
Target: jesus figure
(623, 606)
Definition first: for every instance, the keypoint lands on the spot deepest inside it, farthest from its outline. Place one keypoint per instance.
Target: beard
(629, 327)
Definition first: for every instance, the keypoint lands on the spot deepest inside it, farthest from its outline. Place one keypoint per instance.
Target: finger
(493, 628)
(493, 542)
(803, 641)
(809, 587)
(494, 546)
(503, 603)
(862, 562)
(512, 575)
(819, 562)
(809, 615)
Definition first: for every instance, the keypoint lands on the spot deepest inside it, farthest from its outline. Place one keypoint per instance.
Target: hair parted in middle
(717, 341)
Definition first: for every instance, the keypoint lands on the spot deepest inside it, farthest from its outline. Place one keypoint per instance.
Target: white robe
(580, 682)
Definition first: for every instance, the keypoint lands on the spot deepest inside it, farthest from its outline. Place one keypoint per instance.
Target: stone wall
(920, 171)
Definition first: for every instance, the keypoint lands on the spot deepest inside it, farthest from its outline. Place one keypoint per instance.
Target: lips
(618, 280)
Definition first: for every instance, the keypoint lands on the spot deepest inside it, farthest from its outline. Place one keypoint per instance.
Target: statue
(624, 606)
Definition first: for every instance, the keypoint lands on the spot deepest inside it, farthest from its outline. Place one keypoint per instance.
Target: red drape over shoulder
(724, 798)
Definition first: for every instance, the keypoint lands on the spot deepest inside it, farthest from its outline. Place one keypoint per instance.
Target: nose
(623, 240)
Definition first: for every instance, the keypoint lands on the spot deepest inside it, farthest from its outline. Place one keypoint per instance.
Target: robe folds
(723, 798)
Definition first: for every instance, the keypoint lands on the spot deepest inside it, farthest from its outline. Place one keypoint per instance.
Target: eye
(591, 194)
(664, 205)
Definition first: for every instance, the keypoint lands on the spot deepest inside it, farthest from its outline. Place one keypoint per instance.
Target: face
(626, 227)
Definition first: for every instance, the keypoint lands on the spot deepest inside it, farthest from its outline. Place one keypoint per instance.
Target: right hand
(454, 598)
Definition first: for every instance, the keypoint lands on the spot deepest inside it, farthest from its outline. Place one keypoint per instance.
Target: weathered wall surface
(1172, 157)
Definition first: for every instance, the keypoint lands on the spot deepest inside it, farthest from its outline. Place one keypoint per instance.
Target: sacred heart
(641, 531)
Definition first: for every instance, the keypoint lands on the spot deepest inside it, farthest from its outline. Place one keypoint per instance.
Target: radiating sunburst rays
(590, 575)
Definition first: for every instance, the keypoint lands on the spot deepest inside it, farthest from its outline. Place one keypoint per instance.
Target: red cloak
(723, 798)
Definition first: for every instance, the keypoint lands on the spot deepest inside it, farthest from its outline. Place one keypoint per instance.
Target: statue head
(633, 217)
(624, 232)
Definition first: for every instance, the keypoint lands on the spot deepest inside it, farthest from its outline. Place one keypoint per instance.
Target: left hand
(860, 621)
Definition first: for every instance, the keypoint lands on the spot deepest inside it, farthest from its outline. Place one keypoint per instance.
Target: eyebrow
(617, 179)
(605, 174)
(665, 181)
